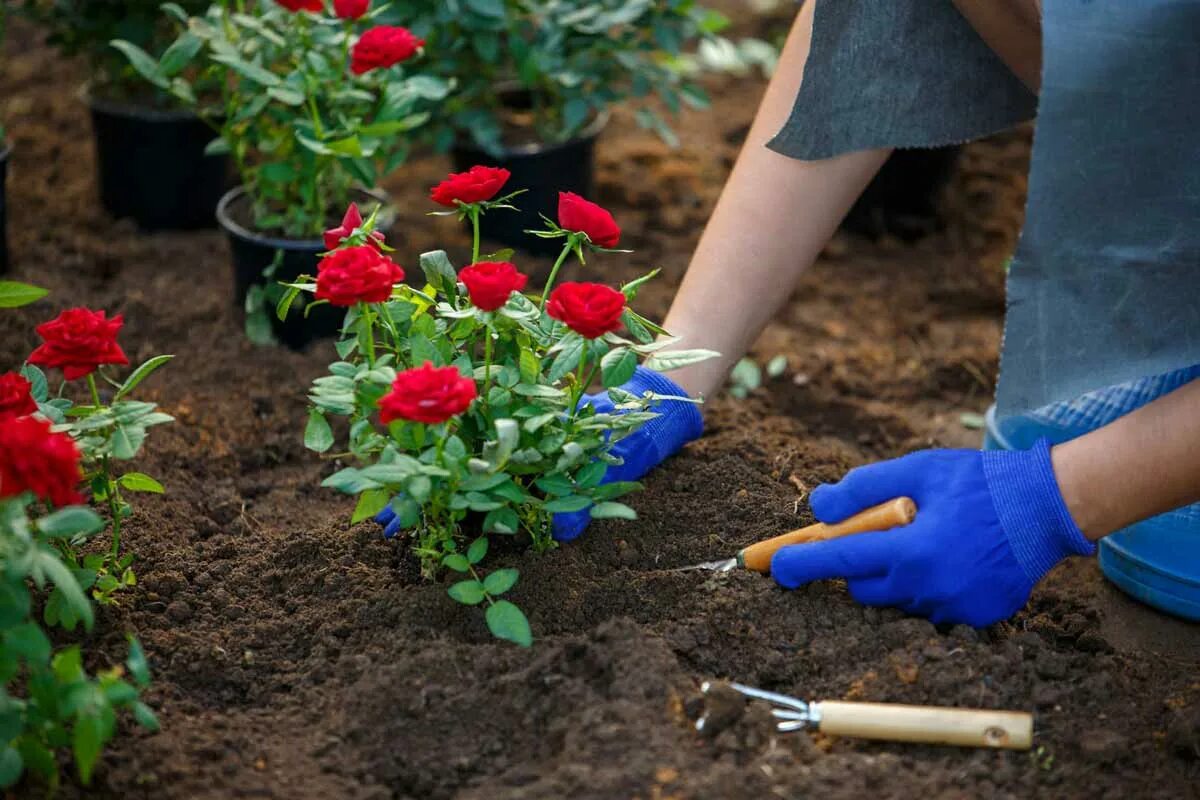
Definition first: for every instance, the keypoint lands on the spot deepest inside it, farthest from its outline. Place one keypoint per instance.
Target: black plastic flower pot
(5, 151)
(542, 170)
(152, 167)
(253, 254)
(904, 198)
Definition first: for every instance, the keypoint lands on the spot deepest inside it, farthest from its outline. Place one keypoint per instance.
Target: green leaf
(87, 742)
(567, 504)
(145, 716)
(177, 56)
(487, 8)
(318, 436)
(502, 520)
(972, 420)
(142, 62)
(508, 435)
(139, 669)
(569, 355)
(39, 389)
(14, 294)
(140, 374)
(674, 359)
(286, 95)
(140, 482)
(28, 641)
(127, 440)
(590, 476)
(439, 272)
(618, 366)
(530, 366)
(370, 503)
(457, 562)
(217, 147)
(612, 510)
(506, 621)
(11, 766)
(540, 391)
(477, 550)
(777, 366)
(469, 592)
(70, 521)
(500, 581)
(251, 72)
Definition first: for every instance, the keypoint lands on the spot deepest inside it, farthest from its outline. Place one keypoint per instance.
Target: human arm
(991, 524)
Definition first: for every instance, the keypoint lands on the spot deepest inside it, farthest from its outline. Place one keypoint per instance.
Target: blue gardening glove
(989, 526)
(677, 424)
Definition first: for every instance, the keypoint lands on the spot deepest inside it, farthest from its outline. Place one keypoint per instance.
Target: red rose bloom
(350, 9)
(584, 216)
(353, 219)
(383, 46)
(357, 275)
(316, 6)
(491, 282)
(78, 340)
(32, 459)
(15, 397)
(473, 186)
(589, 309)
(427, 394)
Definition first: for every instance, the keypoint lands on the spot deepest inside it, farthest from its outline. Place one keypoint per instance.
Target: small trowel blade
(725, 565)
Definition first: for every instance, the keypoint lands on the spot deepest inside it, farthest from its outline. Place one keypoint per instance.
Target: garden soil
(297, 656)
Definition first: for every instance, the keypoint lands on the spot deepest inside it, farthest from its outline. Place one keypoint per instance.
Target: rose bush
(463, 397)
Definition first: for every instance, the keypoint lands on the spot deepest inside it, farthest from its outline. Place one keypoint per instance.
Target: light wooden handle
(1012, 730)
(892, 514)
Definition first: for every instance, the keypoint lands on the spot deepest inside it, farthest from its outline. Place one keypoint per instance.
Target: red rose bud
(316, 6)
(359, 274)
(589, 309)
(427, 394)
(15, 397)
(490, 283)
(78, 340)
(353, 219)
(383, 46)
(584, 216)
(32, 459)
(350, 9)
(473, 186)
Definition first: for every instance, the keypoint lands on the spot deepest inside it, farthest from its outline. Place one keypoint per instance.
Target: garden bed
(298, 657)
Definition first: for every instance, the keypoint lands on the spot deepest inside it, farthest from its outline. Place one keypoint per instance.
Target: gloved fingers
(392, 527)
(569, 525)
(877, 590)
(859, 556)
(866, 486)
(386, 516)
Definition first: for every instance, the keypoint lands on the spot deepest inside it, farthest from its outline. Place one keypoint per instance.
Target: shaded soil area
(296, 656)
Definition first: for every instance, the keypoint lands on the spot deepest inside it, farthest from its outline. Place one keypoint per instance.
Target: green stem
(91, 379)
(110, 486)
(554, 270)
(486, 595)
(474, 233)
(487, 365)
(367, 332)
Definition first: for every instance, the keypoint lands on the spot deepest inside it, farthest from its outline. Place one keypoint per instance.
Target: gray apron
(1105, 285)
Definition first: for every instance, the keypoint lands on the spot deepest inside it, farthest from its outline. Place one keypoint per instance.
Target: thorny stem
(487, 364)
(566, 251)
(583, 384)
(474, 233)
(367, 332)
(110, 486)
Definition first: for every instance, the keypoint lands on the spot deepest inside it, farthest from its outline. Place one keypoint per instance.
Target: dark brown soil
(299, 657)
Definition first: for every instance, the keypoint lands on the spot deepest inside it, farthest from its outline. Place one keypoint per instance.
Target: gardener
(1102, 292)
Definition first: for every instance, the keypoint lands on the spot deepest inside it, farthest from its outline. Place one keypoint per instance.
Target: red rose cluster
(33, 459)
(359, 274)
(589, 309)
(427, 394)
(383, 46)
(473, 186)
(78, 340)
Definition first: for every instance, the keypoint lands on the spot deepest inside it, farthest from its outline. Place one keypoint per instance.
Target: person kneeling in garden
(1097, 424)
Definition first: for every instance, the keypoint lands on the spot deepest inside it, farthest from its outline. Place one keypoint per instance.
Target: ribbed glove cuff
(677, 422)
(1031, 508)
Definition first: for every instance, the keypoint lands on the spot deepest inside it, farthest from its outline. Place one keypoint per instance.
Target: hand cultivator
(892, 514)
(1011, 730)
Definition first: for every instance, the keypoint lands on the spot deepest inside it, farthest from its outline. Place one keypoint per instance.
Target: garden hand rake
(963, 727)
(891, 514)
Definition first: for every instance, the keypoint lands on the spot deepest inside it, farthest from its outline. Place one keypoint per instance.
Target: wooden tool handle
(892, 514)
(1011, 730)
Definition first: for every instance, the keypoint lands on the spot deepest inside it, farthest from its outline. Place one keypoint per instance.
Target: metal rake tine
(771, 697)
(793, 716)
(791, 727)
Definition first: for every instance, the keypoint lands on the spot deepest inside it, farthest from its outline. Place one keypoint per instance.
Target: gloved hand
(989, 526)
(677, 424)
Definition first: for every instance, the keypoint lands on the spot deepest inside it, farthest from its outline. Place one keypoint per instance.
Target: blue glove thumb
(677, 424)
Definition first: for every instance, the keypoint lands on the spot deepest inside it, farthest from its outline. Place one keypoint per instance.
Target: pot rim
(387, 216)
(590, 133)
(117, 108)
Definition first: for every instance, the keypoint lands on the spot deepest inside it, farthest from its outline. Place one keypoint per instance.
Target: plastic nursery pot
(542, 170)
(5, 151)
(152, 167)
(253, 253)
(903, 199)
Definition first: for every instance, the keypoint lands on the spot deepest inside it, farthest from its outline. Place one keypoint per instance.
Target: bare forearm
(772, 220)
(1143, 464)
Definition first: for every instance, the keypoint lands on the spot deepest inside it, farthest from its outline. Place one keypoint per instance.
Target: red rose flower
(350, 9)
(427, 394)
(473, 186)
(491, 282)
(584, 216)
(589, 309)
(383, 46)
(316, 6)
(32, 459)
(78, 340)
(15, 397)
(358, 274)
(353, 219)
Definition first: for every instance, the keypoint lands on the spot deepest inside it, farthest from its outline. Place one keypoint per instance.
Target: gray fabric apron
(1105, 285)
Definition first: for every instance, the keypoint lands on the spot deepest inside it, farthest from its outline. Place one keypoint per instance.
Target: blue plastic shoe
(1157, 560)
